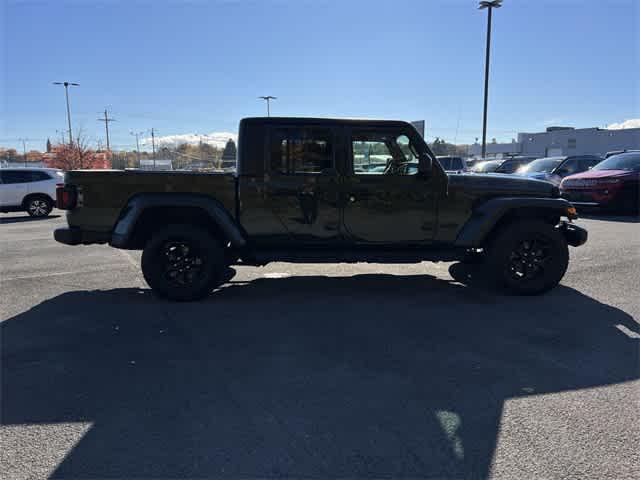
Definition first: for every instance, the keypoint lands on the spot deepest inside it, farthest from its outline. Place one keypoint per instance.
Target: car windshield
(542, 165)
(623, 161)
(451, 163)
(489, 166)
(511, 165)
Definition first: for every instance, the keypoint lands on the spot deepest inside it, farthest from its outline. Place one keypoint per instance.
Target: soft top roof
(323, 121)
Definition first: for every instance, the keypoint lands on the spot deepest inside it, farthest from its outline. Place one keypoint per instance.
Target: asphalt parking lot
(317, 371)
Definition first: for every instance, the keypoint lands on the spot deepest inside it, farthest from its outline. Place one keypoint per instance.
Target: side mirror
(425, 165)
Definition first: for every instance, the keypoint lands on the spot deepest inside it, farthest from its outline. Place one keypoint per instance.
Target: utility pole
(106, 121)
(201, 153)
(24, 149)
(137, 134)
(153, 147)
(66, 93)
(489, 5)
(268, 99)
(62, 133)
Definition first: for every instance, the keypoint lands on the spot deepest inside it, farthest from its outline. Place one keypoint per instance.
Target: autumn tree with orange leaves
(76, 156)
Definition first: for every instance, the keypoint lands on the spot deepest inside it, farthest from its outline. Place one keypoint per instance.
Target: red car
(612, 184)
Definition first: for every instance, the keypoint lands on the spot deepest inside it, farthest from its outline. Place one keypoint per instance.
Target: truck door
(387, 201)
(301, 182)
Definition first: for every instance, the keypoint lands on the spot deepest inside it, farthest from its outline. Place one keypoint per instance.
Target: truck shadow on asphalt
(370, 375)
(24, 218)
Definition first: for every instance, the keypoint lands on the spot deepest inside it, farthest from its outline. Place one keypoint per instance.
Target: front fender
(125, 226)
(487, 215)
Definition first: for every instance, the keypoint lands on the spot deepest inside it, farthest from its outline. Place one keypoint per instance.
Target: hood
(547, 176)
(602, 173)
(497, 184)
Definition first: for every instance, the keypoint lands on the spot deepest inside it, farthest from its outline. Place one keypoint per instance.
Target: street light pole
(66, 93)
(268, 99)
(489, 5)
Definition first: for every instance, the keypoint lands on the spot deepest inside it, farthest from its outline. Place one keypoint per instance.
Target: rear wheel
(39, 206)
(528, 257)
(183, 262)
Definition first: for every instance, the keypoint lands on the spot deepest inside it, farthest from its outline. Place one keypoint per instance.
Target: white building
(157, 164)
(558, 141)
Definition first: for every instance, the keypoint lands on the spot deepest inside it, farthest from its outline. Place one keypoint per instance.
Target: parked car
(452, 164)
(488, 166)
(513, 164)
(612, 184)
(29, 189)
(554, 169)
(618, 152)
(301, 200)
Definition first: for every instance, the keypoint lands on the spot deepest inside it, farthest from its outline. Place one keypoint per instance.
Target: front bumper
(575, 235)
(590, 198)
(77, 236)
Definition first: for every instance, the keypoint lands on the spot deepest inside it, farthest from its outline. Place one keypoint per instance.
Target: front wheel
(528, 257)
(183, 262)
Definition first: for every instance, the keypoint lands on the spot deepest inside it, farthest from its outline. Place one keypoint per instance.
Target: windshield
(542, 165)
(451, 163)
(489, 166)
(623, 161)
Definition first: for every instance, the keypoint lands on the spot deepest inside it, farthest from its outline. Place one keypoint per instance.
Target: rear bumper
(575, 235)
(76, 236)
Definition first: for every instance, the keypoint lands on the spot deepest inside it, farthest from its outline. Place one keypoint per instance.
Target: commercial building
(556, 141)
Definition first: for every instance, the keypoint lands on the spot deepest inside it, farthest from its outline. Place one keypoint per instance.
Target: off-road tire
(203, 263)
(38, 206)
(505, 257)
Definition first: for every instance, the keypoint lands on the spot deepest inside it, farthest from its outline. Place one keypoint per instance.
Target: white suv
(30, 189)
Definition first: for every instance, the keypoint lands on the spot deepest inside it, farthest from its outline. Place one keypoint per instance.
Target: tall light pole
(268, 99)
(489, 5)
(66, 93)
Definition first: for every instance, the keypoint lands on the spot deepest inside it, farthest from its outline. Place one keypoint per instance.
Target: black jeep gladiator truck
(322, 190)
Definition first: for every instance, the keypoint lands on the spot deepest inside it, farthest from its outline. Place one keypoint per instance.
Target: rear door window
(301, 150)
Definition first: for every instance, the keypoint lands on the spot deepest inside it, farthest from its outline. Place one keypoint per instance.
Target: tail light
(66, 197)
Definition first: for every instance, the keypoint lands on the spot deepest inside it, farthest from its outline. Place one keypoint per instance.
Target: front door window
(383, 153)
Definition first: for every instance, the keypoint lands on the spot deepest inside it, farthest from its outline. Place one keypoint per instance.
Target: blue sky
(198, 66)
